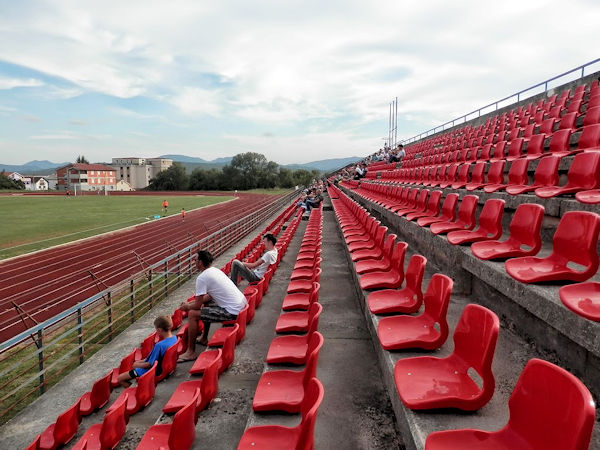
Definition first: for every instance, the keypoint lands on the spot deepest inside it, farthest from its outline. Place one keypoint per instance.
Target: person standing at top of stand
(256, 270)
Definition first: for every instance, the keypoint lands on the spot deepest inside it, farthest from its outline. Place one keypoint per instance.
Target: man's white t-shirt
(214, 282)
(268, 258)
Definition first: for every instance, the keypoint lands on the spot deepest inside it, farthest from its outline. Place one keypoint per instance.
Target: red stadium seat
(567, 122)
(560, 143)
(178, 435)
(549, 408)
(448, 212)
(382, 263)
(97, 397)
(592, 116)
(524, 239)
(432, 209)
(515, 149)
(301, 301)
(208, 385)
(305, 286)
(582, 299)
(590, 138)
(477, 177)
(465, 219)
(517, 175)
(293, 349)
(406, 300)
(427, 382)
(535, 147)
(388, 279)
(177, 318)
(450, 176)
(490, 225)
(250, 293)
(401, 332)
(169, 362)
(584, 174)
(410, 202)
(463, 176)
(208, 356)
(141, 395)
(182, 338)
(307, 273)
(222, 333)
(61, 431)
(574, 241)
(296, 321)
(108, 434)
(546, 175)
(499, 150)
(589, 197)
(35, 444)
(284, 390)
(275, 437)
(145, 347)
(420, 204)
(125, 366)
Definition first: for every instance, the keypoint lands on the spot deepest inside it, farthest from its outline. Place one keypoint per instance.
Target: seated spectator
(360, 171)
(163, 325)
(217, 300)
(316, 198)
(254, 271)
(401, 153)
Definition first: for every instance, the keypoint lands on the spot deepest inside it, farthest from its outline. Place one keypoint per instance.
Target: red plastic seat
(283, 390)
(401, 332)
(302, 300)
(535, 147)
(389, 279)
(382, 263)
(97, 397)
(589, 197)
(590, 138)
(592, 116)
(295, 321)
(517, 175)
(108, 434)
(307, 273)
(293, 349)
(178, 435)
(432, 209)
(208, 385)
(35, 444)
(141, 395)
(182, 338)
(177, 318)
(275, 437)
(463, 176)
(420, 204)
(515, 149)
(584, 174)
(477, 177)
(549, 408)
(449, 176)
(499, 151)
(61, 431)
(222, 333)
(490, 225)
(465, 219)
(206, 358)
(406, 300)
(125, 366)
(304, 285)
(145, 347)
(524, 239)
(428, 382)
(448, 212)
(169, 362)
(574, 241)
(546, 175)
(250, 293)
(582, 299)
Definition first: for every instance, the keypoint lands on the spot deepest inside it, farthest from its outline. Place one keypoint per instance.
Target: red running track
(50, 281)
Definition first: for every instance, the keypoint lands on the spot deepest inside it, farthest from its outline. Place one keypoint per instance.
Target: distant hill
(325, 165)
(195, 160)
(32, 167)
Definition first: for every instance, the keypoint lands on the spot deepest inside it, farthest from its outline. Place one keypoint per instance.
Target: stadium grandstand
(447, 301)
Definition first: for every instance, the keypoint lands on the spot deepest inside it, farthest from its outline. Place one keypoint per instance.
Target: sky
(297, 81)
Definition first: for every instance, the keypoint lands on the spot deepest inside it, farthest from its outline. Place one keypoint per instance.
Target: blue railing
(518, 96)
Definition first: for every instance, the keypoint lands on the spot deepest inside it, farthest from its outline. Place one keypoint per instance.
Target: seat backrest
(551, 408)
(478, 170)
(585, 171)
(437, 299)
(388, 245)
(451, 173)
(499, 150)
(422, 199)
(567, 122)
(412, 196)
(314, 346)
(515, 149)
(590, 137)
(486, 150)
(314, 312)
(144, 392)
(433, 204)
(536, 144)
(475, 339)
(147, 344)
(526, 224)
(229, 347)
(101, 391)
(547, 126)
(310, 405)
(398, 258)
(546, 173)
(66, 424)
(183, 429)
(313, 296)
(592, 116)
(466, 210)
(517, 174)
(463, 172)
(449, 206)
(114, 424)
(560, 141)
(576, 238)
(210, 379)
(414, 275)
(490, 218)
(176, 318)
(168, 362)
(496, 172)
(241, 321)
(317, 275)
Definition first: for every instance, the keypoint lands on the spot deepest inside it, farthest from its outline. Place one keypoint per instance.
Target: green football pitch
(29, 223)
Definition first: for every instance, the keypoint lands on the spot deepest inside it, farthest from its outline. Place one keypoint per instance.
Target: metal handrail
(496, 103)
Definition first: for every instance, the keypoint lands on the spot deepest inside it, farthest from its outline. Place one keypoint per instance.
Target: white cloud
(10, 83)
(53, 137)
(193, 100)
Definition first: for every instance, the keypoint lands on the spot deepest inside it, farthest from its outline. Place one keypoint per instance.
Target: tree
(82, 160)
(285, 178)
(9, 183)
(303, 177)
(251, 166)
(172, 179)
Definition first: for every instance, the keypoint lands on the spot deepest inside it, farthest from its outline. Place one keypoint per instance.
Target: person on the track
(165, 205)
(183, 214)
(256, 270)
(163, 325)
(217, 300)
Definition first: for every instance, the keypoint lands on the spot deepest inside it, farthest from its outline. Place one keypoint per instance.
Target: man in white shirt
(254, 271)
(217, 300)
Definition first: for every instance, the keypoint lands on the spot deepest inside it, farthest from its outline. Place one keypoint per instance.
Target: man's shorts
(211, 312)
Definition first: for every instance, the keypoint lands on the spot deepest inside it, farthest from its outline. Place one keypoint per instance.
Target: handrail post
(80, 336)
(151, 295)
(178, 269)
(109, 314)
(131, 301)
(42, 378)
(166, 277)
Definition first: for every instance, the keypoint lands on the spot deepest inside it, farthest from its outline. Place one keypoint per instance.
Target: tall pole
(390, 127)
(396, 125)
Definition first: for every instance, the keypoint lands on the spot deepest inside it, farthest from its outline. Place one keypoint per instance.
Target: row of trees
(246, 171)
(9, 183)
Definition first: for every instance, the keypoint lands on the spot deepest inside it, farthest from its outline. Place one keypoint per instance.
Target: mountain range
(190, 162)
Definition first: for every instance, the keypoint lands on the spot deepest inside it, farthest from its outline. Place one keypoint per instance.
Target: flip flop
(182, 360)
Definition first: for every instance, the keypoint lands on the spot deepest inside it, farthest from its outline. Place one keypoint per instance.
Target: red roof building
(86, 177)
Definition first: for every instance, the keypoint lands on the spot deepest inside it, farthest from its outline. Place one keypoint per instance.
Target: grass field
(29, 223)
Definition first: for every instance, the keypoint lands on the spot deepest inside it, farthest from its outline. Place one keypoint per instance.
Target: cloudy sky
(294, 80)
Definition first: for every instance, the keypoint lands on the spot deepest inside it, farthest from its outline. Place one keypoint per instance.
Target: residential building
(86, 177)
(37, 183)
(139, 171)
(16, 176)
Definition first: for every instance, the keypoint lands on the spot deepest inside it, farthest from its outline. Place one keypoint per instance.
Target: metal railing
(38, 357)
(518, 96)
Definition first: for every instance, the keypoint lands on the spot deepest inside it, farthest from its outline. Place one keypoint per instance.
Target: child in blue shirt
(163, 325)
